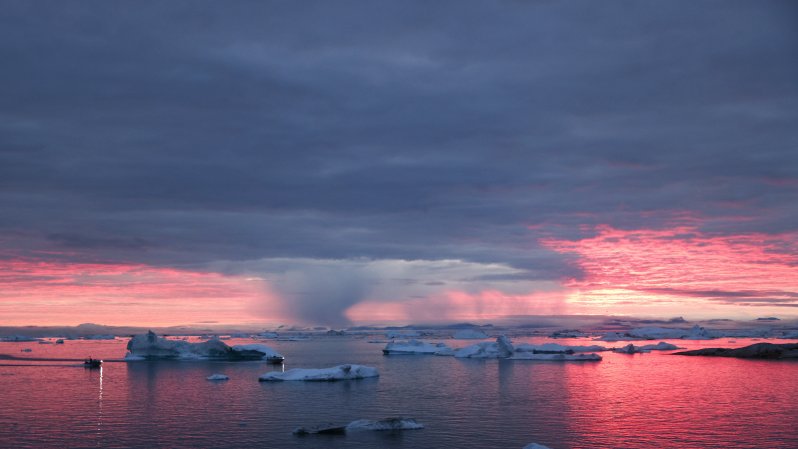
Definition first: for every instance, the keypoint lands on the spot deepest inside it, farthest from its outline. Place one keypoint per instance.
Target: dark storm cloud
(177, 133)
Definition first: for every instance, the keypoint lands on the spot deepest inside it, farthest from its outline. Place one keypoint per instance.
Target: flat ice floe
(558, 357)
(151, 347)
(558, 348)
(656, 333)
(416, 347)
(217, 377)
(341, 372)
(363, 425)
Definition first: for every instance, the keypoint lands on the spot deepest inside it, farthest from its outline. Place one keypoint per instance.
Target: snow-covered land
(469, 334)
(415, 347)
(217, 377)
(341, 372)
(152, 347)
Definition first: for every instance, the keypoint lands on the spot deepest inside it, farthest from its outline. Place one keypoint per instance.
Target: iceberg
(151, 347)
(661, 346)
(630, 349)
(568, 333)
(556, 357)
(217, 377)
(502, 348)
(17, 338)
(656, 333)
(341, 372)
(469, 334)
(363, 425)
(415, 347)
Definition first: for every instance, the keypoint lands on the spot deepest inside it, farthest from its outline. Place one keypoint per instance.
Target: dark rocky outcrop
(755, 351)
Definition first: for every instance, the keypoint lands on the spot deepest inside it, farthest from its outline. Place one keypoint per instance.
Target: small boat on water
(92, 363)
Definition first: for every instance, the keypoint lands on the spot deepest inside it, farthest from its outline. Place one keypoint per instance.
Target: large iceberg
(416, 347)
(341, 372)
(661, 346)
(469, 334)
(502, 348)
(630, 349)
(362, 425)
(152, 347)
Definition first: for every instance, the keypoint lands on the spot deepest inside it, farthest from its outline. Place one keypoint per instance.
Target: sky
(342, 163)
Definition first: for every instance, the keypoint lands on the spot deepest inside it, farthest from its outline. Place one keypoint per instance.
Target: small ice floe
(661, 346)
(554, 348)
(469, 334)
(60, 341)
(151, 347)
(45, 342)
(415, 347)
(502, 348)
(270, 335)
(26, 350)
(557, 357)
(341, 372)
(536, 446)
(217, 377)
(363, 425)
(630, 349)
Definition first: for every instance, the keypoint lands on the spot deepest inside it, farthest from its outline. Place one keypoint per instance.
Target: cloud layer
(202, 135)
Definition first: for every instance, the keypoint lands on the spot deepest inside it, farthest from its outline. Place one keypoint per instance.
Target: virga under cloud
(315, 145)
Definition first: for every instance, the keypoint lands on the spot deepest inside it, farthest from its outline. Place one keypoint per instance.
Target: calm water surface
(624, 401)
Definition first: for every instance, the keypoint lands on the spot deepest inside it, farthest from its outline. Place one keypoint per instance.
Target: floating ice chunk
(536, 446)
(415, 347)
(551, 348)
(630, 349)
(26, 350)
(502, 348)
(341, 372)
(362, 425)
(698, 333)
(469, 334)
(151, 347)
(217, 377)
(615, 336)
(384, 424)
(267, 335)
(560, 357)
(661, 346)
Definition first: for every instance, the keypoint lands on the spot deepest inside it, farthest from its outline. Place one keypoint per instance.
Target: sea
(653, 400)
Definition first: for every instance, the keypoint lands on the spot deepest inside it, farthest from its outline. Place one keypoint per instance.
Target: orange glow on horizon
(683, 271)
(58, 293)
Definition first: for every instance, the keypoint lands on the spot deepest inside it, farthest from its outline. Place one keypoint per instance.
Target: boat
(92, 363)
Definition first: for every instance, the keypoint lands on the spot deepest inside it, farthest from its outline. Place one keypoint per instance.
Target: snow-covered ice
(502, 348)
(217, 377)
(341, 372)
(630, 349)
(364, 425)
(661, 346)
(415, 347)
(150, 347)
(402, 334)
(469, 334)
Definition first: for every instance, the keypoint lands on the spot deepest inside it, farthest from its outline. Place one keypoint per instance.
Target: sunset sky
(343, 163)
